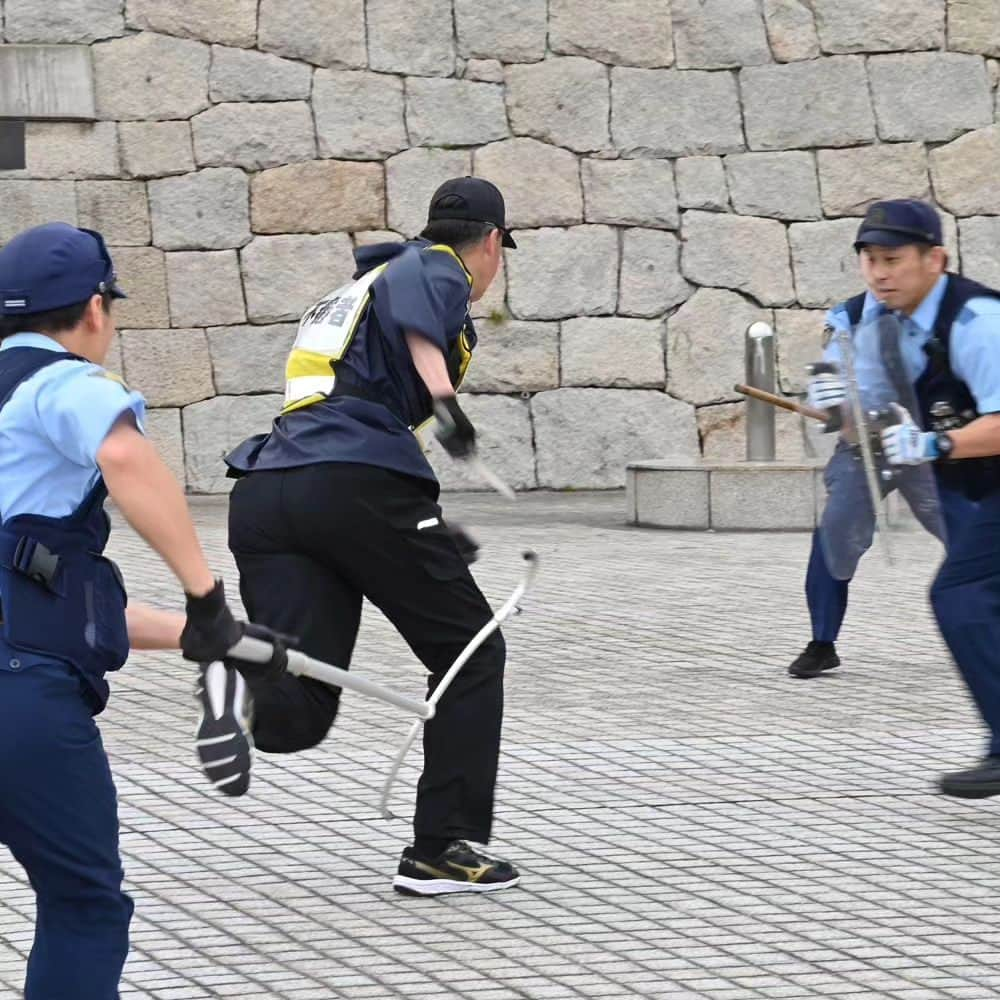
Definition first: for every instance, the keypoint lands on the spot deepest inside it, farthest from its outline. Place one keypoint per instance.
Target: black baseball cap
(899, 222)
(53, 266)
(471, 199)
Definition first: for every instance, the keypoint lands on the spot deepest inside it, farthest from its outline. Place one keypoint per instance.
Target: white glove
(905, 443)
(826, 391)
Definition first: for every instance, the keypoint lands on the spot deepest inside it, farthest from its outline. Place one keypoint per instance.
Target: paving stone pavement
(690, 821)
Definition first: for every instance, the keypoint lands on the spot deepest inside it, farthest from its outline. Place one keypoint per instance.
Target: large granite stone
(638, 32)
(30, 203)
(411, 36)
(613, 352)
(116, 209)
(980, 239)
(563, 101)
(248, 359)
(55, 22)
(791, 30)
(650, 282)
(70, 150)
(974, 26)
(205, 288)
(929, 96)
(798, 342)
(557, 273)
(156, 149)
(503, 440)
(334, 36)
(232, 22)
(284, 275)
(254, 136)
(207, 210)
(630, 192)
(514, 357)
(719, 34)
(701, 183)
(705, 346)
(864, 26)
(318, 197)
(148, 77)
(966, 173)
(169, 367)
(658, 112)
(484, 70)
(412, 177)
(776, 185)
(822, 102)
(213, 428)
(432, 121)
(739, 252)
(163, 428)
(359, 116)
(584, 438)
(852, 179)
(824, 261)
(540, 183)
(722, 429)
(247, 75)
(509, 30)
(142, 273)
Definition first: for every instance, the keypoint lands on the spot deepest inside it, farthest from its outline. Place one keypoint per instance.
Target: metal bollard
(760, 375)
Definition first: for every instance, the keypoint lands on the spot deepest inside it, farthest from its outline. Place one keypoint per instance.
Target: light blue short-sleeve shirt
(974, 346)
(52, 428)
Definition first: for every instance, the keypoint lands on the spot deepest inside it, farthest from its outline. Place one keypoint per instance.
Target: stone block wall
(675, 169)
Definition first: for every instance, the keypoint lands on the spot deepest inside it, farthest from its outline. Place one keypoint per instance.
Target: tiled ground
(690, 821)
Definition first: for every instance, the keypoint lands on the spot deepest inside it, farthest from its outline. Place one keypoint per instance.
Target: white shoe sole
(223, 742)
(440, 886)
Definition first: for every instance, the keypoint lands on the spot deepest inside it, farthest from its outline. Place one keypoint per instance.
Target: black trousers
(309, 542)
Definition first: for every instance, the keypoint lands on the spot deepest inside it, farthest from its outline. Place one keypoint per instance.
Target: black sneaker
(814, 659)
(979, 782)
(223, 740)
(458, 868)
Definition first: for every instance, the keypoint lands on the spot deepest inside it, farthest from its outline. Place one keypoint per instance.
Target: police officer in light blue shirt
(948, 357)
(70, 434)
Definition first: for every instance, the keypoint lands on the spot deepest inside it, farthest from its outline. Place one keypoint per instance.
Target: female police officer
(338, 502)
(69, 435)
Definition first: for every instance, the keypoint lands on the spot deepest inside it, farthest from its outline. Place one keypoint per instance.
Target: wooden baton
(782, 402)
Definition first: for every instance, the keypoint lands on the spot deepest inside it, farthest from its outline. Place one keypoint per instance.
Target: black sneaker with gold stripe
(458, 868)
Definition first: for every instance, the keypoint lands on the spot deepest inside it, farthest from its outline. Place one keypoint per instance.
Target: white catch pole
(477, 640)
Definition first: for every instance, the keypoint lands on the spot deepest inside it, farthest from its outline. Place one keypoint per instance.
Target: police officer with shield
(338, 503)
(922, 340)
(70, 435)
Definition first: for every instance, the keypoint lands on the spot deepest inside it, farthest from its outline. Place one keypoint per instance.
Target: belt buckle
(36, 561)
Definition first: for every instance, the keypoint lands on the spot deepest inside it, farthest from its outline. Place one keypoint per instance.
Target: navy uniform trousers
(58, 816)
(848, 515)
(965, 596)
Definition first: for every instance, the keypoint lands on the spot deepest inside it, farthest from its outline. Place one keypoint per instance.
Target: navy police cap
(53, 266)
(899, 222)
(471, 199)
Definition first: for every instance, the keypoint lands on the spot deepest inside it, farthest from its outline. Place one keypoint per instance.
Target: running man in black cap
(338, 503)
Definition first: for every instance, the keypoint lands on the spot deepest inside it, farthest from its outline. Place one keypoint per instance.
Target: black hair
(51, 322)
(456, 233)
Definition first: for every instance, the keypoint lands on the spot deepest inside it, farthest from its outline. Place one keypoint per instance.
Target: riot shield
(858, 479)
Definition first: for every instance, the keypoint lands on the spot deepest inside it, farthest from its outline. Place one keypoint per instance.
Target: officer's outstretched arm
(978, 439)
(151, 500)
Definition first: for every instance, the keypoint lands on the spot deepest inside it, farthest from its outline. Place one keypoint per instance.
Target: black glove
(212, 631)
(468, 547)
(454, 429)
(273, 668)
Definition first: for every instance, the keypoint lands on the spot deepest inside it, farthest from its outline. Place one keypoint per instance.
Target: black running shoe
(978, 782)
(814, 659)
(223, 740)
(458, 868)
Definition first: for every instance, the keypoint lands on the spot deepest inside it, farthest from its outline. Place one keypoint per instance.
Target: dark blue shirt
(379, 400)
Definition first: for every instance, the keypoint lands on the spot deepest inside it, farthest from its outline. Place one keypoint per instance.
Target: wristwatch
(945, 445)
